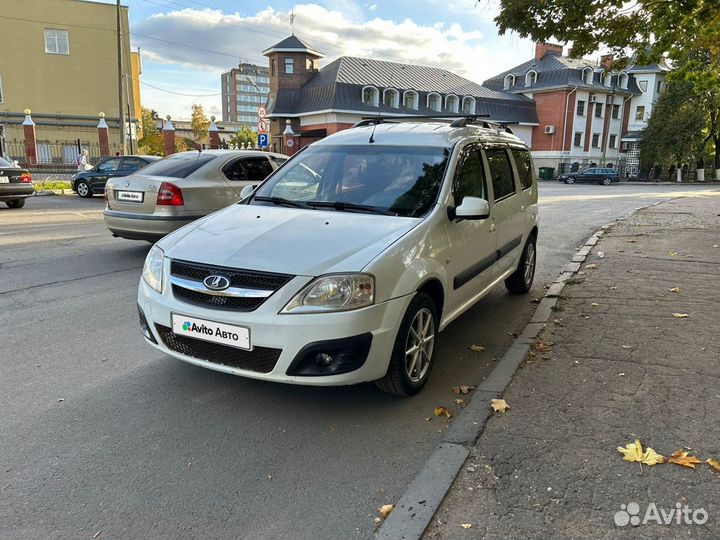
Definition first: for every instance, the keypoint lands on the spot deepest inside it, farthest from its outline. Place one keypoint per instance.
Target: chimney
(543, 48)
(607, 60)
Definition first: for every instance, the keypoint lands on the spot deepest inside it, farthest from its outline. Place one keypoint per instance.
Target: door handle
(492, 227)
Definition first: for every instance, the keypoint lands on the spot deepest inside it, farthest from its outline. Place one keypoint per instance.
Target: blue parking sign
(263, 140)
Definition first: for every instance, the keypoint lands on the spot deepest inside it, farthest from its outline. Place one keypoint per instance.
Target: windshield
(400, 180)
(178, 165)
(5, 164)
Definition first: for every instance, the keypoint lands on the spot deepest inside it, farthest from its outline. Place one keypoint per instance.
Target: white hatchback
(347, 261)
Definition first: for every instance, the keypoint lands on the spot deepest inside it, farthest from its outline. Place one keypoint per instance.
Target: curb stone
(417, 506)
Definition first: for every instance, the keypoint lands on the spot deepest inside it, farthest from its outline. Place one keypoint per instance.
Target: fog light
(144, 326)
(324, 359)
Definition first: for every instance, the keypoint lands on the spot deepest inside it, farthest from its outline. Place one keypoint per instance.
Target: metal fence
(56, 154)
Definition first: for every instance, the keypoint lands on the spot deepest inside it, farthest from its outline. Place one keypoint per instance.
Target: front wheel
(15, 203)
(521, 280)
(412, 355)
(83, 189)
(606, 181)
(570, 180)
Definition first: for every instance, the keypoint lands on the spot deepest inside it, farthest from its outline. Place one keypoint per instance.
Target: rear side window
(257, 168)
(469, 177)
(500, 172)
(178, 165)
(132, 164)
(523, 166)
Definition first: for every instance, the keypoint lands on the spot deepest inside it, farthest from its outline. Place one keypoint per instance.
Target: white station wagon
(345, 263)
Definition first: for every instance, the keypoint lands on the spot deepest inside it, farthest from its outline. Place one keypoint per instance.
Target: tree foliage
(200, 124)
(151, 142)
(244, 135)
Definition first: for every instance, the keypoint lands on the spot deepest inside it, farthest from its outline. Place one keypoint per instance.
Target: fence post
(30, 139)
(102, 128)
(214, 134)
(169, 137)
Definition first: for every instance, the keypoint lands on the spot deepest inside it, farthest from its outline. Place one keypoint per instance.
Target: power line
(175, 93)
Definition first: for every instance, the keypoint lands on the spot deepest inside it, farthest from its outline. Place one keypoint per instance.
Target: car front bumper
(285, 337)
(143, 226)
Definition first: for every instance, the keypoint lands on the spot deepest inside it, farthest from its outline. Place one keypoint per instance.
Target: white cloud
(216, 41)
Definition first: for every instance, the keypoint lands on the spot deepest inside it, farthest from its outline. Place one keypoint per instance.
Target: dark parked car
(92, 182)
(601, 175)
(15, 184)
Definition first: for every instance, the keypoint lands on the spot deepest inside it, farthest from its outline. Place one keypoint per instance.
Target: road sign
(290, 143)
(263, 140)
(262, 112)
(262, 126)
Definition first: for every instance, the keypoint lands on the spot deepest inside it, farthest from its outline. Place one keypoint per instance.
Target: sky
(187, 44)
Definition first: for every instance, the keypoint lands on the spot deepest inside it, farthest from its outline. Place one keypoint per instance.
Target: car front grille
(260, 359)
(239, 279)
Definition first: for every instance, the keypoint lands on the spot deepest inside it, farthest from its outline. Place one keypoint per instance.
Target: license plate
(4, 179)
(130, 196)
(215, 332)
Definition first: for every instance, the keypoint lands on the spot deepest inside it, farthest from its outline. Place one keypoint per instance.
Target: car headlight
(339, 292)
(153, 268)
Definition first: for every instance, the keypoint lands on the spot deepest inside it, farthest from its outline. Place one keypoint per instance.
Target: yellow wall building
(59, 59)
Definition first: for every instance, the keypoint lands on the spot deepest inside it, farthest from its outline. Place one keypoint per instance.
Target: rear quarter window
(523, 164)
(178, 166)
(500, 172)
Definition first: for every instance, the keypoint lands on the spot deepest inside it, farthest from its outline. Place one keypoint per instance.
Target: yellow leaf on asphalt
(680, 457)
(594, 304)
(466, 525)
(680, 315)
(460, 402)
(634, 452)
(442, 411)
(477, 348)
(462, 389)
(500, 405)
(591, 266)
(672, 253)
(385, 510)
(674, 289)
(714, 463)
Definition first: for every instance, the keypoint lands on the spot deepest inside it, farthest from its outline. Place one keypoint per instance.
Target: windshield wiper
(344, 206)
(280, 201)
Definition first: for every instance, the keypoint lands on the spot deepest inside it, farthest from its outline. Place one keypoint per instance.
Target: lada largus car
(346, 262)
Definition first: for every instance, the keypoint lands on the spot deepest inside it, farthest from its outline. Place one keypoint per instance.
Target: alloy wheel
(419, 345)
(83, 189)
(529, 264)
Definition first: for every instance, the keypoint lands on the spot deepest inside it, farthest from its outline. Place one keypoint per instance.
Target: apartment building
(244, 90)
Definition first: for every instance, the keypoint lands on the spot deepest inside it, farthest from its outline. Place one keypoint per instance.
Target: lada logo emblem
(216, 283)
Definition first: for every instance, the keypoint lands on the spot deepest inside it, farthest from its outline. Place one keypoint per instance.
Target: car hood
(287, 240)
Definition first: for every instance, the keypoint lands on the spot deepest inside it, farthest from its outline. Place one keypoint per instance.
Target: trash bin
(546, 173)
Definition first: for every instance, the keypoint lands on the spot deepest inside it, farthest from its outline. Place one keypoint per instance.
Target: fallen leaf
(601, 255)
(442, 411)
(634, 452)
(466, 525)
(621, 375)
(626, 347)
(500, 405)
(680, 315)
(672, 253)
(462, 389)
(714, 463)
(681, 458)
(377, 520)
(543, 346)
(460, 402)
(632, 241)
(594, 304)
(674, 289)
(477, 348)
(428, 418)
(385, 510)
(613, 288)
(591, 266)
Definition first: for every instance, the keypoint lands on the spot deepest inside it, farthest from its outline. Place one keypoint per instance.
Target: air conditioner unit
(549, 130)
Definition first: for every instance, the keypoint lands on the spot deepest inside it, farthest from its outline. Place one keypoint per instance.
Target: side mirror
(473, 208)
(246, 191)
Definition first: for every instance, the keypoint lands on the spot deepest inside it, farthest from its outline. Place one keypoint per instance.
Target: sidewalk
(617, 366)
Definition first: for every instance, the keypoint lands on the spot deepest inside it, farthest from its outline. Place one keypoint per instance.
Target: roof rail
(379, 119)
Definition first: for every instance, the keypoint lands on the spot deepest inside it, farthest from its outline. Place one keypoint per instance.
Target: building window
(587, 75)
(643, 86)
(273, 67)
(468, 105)
(452, 103)
(659, 86)
(370, 96)
(616, 111)
(289, 66)
(598, 110)
(581, 108)
(577, 141)
(531, 78)
(410, 99)
(623, 80)
(596, 140)
(57, 42)
(391, 98)
(613, 141)
(434, 102)
(509, 82)
(607, 80)
(640, 113)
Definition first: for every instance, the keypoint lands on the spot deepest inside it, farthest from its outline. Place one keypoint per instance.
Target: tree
(244, 135)
(674, 132)
(200, 124)
(151, 142)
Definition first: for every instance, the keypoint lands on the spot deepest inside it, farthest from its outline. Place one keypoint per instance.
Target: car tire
(570, 180)
(409, 370)
(606, 181)
(83, 189)
(15, 203)
(521, 280)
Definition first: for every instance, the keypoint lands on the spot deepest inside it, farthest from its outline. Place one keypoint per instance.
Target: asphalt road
(99, 432)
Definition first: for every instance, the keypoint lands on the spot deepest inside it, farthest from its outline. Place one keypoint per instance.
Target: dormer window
(607, 79)
(370, 96)
(624, 80)
(468, 106)
(531, 78)
(410, 99)
(391, 98)
(587, 75)
(508, 82)
(452, 103)
(434, 102)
